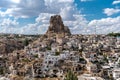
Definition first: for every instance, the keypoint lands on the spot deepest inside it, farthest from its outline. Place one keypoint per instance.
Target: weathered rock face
(57, 26)
(9, 45)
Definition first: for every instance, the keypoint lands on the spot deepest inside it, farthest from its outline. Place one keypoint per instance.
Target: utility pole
(95, 29)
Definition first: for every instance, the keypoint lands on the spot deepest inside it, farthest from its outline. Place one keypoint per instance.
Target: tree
(48, 48)
(1, 71)
(26, 42)
(57, 53)
(71, 76)
(119, 63)
(114, 34)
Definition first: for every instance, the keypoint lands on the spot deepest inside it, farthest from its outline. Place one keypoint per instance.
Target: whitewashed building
(116, 73)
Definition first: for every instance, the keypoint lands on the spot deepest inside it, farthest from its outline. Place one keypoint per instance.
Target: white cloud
(15, 12)
(9, 26)
(39, 27)
(85, 0)
(43, 17)
(111, 11)
(105, 25)
(8, 22)
(6, 4)
(68, 1)
(2, 14)
(67, 13)
(28, 8)
(43, 9)
(42, 23)
(116, 2)
(79, 25)
(24, 8)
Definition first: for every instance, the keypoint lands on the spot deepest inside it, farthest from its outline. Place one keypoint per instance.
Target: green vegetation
(25, 42)
(25, 60)
(71, 76)
(81, 59)
(36, 55)
(57, 53)
(114, 34)
(119, 63)
(1, 71)
(105, 58)
(48, 48)
(81, 50)
(111, 77)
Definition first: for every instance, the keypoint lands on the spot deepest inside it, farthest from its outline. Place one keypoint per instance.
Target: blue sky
(81, 16)
(94, 8)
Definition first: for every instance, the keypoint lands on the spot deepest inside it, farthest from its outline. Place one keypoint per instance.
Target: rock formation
(9, 45)
(57, 26)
